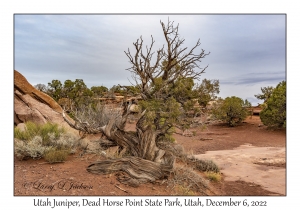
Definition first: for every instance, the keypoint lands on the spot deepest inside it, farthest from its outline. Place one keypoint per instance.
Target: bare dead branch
(121, 188)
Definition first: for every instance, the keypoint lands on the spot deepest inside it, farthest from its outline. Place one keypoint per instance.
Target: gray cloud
(245, 49)
(256, 78)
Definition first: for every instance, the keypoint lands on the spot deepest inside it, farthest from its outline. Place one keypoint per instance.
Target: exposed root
(137, 170)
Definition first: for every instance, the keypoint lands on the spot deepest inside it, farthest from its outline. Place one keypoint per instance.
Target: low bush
(47, 132)
(204, 165)
(67, 141)
(54, 155)
(47, 140)
(274, 113)
(232, 110)
(30, 149)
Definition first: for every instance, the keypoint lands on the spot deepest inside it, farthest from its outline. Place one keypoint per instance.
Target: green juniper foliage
(231, 110)
(266, 93)
(274, 113)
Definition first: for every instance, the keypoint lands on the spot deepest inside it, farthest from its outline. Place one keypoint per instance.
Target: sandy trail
(252, 164)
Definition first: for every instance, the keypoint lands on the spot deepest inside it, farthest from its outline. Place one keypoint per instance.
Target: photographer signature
(65, 185)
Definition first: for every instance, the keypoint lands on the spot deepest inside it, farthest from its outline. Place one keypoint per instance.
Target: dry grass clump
(54, 155)
(185, 181)
(213, 176)
(183, 190)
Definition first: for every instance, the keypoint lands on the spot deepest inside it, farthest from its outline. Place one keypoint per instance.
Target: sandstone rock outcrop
(33, 105)
(25, 88)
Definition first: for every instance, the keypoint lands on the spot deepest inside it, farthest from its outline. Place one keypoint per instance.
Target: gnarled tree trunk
(147, 163)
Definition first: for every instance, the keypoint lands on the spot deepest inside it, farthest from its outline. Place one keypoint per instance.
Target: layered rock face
(33, 105)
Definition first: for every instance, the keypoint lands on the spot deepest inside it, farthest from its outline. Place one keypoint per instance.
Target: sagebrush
(36, 140)
(204, 165)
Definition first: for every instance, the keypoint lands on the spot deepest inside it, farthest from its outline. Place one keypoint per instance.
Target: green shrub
(31, 130)
(50, 132)
(274, 112)
(231, 110)
(47, 132)
(48, 141)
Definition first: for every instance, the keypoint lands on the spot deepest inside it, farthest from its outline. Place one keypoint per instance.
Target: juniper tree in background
(274, 112)
(99, 91)
(232, 110)
(266, 93)
(55, 89)
(207, 91)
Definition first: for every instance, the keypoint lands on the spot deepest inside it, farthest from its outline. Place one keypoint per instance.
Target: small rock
(21, 126)
(206, 139)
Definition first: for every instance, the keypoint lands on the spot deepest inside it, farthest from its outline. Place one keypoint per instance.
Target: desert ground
(251, 158)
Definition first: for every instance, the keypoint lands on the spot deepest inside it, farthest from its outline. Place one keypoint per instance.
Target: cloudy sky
(247, 52)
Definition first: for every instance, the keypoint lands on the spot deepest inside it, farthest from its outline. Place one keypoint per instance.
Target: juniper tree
(274, 113)
(232, 110)
(164, 79)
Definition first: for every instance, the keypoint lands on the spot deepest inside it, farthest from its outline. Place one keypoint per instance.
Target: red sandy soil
(36, 177)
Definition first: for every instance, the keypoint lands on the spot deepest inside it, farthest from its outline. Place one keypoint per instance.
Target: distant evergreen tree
(231, 110)
(274, 113)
